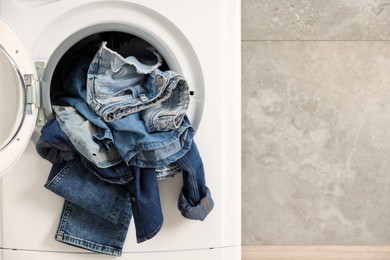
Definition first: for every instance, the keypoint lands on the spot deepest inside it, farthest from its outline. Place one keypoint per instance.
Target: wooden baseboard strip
(315, 252)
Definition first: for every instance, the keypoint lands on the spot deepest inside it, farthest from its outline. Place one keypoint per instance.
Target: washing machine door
(18, 89)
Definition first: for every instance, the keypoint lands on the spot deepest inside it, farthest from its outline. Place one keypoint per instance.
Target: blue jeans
(99, 203)
(134, 143)
(139, 137)
(81, 228)
(118, 86)
(169, 108)
(151, 150)
(155, 137)
(63, 139)
(96, 214)
(101, 191)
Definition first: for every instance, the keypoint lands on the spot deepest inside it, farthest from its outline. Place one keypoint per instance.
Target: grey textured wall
(316, 122)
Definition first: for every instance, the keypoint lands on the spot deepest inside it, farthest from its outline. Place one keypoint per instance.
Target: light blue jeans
(96, 214)
(152, 138)
(117, 86)
(134, 144)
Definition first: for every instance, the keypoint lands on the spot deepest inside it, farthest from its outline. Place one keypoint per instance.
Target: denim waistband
(113, 79)
(167, 111)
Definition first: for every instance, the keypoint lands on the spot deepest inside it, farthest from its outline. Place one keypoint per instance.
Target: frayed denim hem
(88, 245)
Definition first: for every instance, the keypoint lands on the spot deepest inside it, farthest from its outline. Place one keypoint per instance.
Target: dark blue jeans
(97, 212)
(102, 195)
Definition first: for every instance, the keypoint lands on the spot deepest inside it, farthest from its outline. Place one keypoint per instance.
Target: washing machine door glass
(12, 101)
(18, 89)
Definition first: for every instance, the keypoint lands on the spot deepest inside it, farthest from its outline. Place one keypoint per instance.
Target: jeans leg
(195, 200)
(81, 228)
(73, 182)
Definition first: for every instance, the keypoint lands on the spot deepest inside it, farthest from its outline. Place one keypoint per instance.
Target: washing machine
(200, 39)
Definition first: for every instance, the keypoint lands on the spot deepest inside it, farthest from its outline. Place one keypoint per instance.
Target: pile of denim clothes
(120, 126)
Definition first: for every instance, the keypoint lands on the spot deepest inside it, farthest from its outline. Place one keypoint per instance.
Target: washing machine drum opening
(123, 43)
(12, 103)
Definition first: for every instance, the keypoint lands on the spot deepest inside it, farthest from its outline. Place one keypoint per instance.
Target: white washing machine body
(198, 38)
